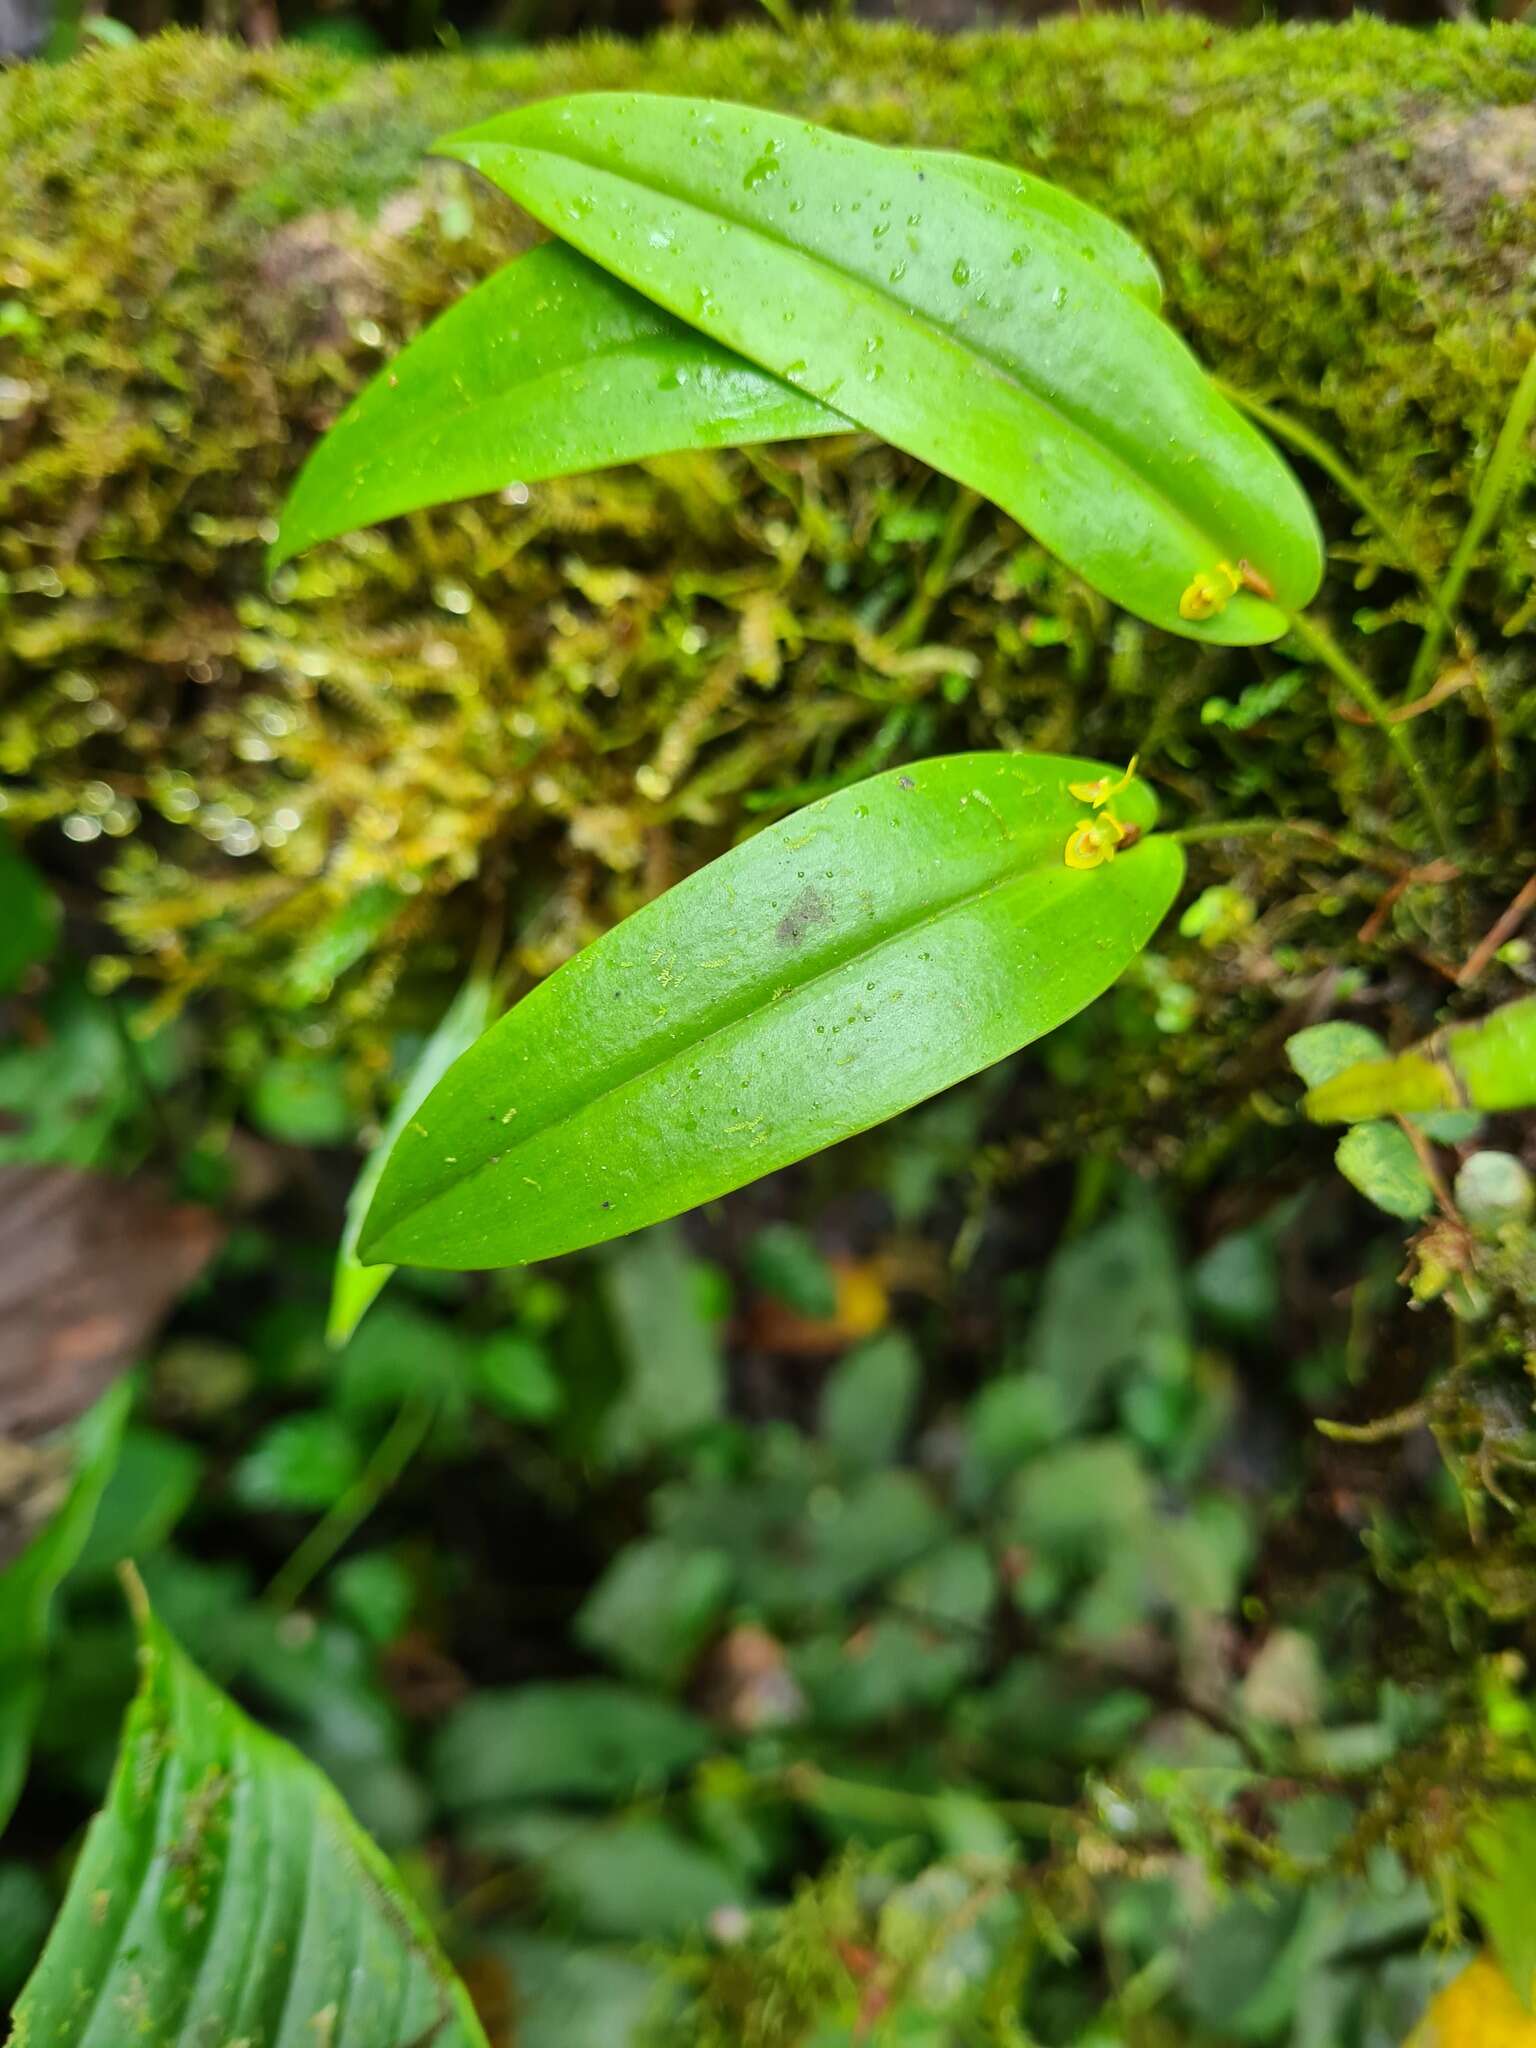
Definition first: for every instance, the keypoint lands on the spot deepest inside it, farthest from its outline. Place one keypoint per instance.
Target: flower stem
(1316, 636)
(1495, 482)
(399, 1445)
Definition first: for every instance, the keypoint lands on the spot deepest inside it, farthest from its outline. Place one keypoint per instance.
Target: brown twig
(1502, 928)
(1434, 871)
(1464, 677)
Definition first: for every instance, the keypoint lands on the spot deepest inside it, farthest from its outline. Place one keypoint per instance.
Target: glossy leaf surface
(963, 327)
(551, 367)
(354, 1286)
(548, 368)
(225, 1894)
(29, 1582)
(860, 955)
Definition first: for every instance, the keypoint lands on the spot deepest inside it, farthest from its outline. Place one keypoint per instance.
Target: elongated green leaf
(862, 954)
(1091, 234)
(973, 335)
(354, 1286)
(1489, 1064)
(28, 1585)
(225, 1895)
(551, 367)
(548, 368)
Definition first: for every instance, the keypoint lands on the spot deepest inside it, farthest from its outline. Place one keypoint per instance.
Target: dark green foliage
(1038, 1653)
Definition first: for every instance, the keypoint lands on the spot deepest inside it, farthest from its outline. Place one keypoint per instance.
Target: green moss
(560, 704)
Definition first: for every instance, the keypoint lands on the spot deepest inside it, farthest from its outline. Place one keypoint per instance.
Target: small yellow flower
(1095, 841)
(1101, 789)
(1478, 2009)
(1211, 592)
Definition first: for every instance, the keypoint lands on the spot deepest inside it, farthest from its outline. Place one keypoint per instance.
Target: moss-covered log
(203, 251)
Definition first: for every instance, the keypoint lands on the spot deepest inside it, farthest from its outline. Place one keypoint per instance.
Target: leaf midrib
(969, 350)
(737, 1014)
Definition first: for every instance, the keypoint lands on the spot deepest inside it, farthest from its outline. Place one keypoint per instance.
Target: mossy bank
(548, 705)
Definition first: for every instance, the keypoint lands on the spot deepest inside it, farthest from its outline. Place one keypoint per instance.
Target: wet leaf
(225, 1893)
(548, 368)
(963, 326)
(551, 367)
(849, 961)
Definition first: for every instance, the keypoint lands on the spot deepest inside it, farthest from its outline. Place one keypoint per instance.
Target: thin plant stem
(909, 628)
(1349, 481)
(400, 1443)
(1504, 927)
(1417, 1415)
(1342, 845)
(1244, 828)
(1496, 480)
(1315, 635)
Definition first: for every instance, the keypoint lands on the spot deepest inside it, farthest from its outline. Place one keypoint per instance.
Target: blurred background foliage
(911, 1601)
(57, 28)
(896, 1604)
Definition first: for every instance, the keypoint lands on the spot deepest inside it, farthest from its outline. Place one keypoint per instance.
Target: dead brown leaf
(89, 1264)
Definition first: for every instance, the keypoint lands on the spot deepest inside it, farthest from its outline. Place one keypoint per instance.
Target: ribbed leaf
(225, 1895)
(552, 367)
(28, 1584)
(354, 1286)
(960, 325)
(849, 961)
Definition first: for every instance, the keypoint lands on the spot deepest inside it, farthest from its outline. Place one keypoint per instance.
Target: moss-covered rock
(203, 252)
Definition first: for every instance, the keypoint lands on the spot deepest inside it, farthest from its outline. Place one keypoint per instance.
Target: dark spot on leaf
(809, 909)
(905, 782)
